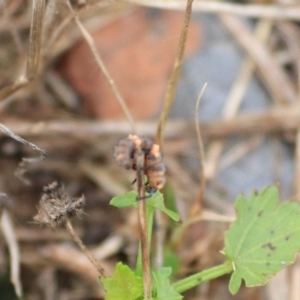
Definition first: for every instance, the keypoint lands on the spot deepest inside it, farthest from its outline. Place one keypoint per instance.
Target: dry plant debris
(56, 206)
(52, 118)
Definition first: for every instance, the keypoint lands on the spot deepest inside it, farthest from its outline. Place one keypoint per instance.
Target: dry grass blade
(239, 151)
(206, 215)
(196, 207)
(34, 49)
(14, 33)
(169, 97)
(66, 258)
(290, 34)
(11, 89)
(275, 11)
(102, 178)
(25, 160)
(13, 247)
(236, 96)
(103, 68)
(83, 248)
(35, 38)
(276, 81)
(8, 132)
(274, 120)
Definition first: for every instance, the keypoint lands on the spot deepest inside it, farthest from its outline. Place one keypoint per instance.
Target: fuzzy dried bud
(154, 168)
(56, 206)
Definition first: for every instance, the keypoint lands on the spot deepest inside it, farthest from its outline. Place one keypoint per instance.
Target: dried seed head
(154, 168)
(56, 206)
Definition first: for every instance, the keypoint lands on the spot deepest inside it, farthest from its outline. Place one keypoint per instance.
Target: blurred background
(53, 94)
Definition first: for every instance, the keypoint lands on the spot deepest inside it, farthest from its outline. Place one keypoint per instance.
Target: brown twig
(239, 151)
(13, 247)
(236, 97)
(103, 68)
(169, 97)
(11, 89)
(65, 257)
(275, 11)
(274, 120)
(142, 212)
(13, 31)
(34, 50)
(196, 207)
(35, 38)
(274, 78)
(56, 207)
(84, 249)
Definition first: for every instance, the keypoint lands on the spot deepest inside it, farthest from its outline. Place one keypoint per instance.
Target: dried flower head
(56, 206)
(154, 168)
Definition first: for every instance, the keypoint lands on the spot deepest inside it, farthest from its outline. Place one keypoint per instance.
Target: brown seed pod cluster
(154, 168)
(56, 206)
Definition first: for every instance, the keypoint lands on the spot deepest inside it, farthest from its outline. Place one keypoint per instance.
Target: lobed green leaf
(263, 240)
(164, 289)
(123, 283)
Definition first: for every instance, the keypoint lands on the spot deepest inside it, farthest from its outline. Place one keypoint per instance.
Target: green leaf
(263, 240)
(157, 201)
(126, 200)
(171, 259)
(123, 282)
(235, 283)
(164, 290)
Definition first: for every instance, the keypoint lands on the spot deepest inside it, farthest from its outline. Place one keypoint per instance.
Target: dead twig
(84, 249)
(103, 68)
(275, 11)
(142, 212)
(25, 160)
(236, 97)
(196, 207)
(274, 120)
(14, 136)
(14, 252)
(169, 97)
(34, 50)
(55, 208)
(275, 79)
(35, 38)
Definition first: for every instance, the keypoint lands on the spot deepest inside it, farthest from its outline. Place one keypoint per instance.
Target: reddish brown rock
(139, 51)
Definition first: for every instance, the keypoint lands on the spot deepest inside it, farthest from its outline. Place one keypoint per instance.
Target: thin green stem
(150, 218)
(206, 275)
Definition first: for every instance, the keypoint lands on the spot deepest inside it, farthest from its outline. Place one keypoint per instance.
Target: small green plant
(264, 239)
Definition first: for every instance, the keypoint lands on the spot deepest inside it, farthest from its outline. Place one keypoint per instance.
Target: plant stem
(171, 89)
(206, 275)
(150, 217)
(91, 43)
(142, 212)
(84, 249)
